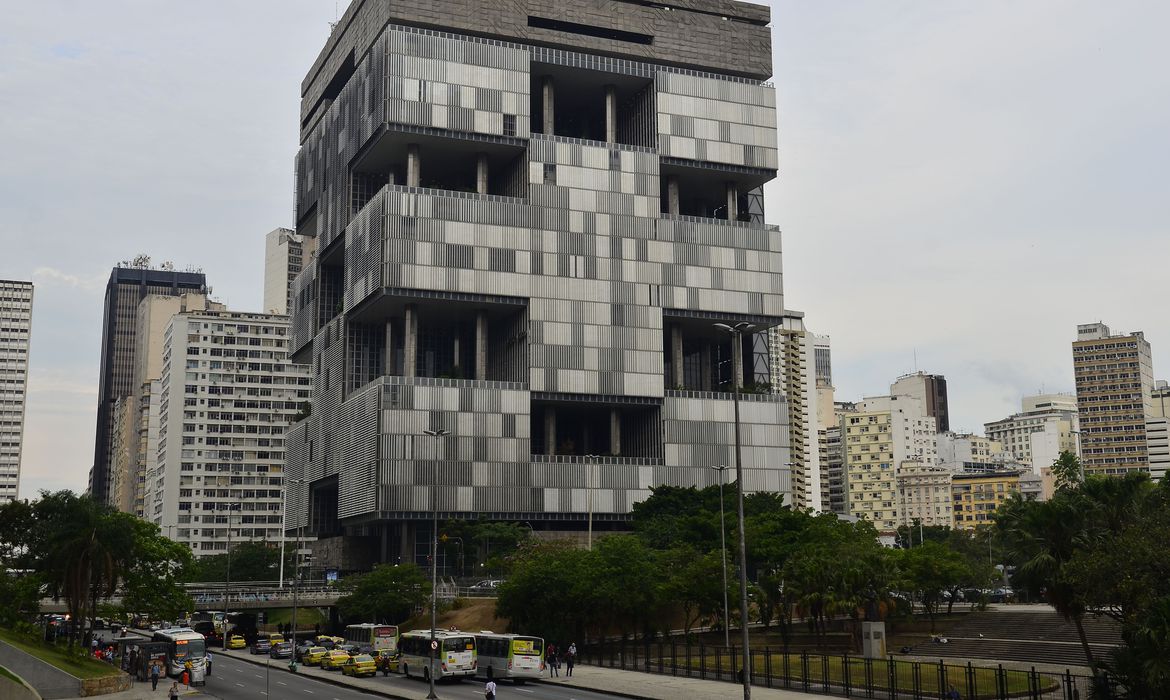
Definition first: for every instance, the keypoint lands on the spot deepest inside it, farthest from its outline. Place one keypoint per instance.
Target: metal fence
(838, 674)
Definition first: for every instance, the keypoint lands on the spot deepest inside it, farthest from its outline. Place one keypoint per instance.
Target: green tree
(1067, 470)
(694, 581)
(249, 561)
(550, 591)
(930, 570)
(388, 594)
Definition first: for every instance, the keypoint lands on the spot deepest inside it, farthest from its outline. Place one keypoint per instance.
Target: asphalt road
(240, 680)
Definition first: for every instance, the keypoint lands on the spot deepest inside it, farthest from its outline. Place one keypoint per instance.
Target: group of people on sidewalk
(554, 658)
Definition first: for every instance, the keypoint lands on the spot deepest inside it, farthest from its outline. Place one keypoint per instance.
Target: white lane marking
(309, 692)
(525, 690)
(240, 684)
(282, 683)
(257, 675)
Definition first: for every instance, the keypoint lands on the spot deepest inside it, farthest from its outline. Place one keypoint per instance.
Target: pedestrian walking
(489, 690)
(570, 660)
(953, 694)
(174, 692)
(551, 659)
(154, 676)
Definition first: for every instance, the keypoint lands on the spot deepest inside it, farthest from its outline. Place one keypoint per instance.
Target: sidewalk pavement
(630, 684)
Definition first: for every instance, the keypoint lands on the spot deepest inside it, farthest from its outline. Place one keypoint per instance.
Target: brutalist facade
(529, 215)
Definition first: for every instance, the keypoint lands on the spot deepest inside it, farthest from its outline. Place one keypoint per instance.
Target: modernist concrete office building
(16, 300)
(528, 218)
(127, 287)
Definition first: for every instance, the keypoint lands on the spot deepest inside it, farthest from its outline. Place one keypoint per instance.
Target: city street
(242, 680)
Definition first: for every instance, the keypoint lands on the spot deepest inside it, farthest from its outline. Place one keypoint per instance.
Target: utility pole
(440, 434)
(723, 548)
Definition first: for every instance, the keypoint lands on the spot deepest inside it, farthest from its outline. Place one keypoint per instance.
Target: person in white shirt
(489, 690)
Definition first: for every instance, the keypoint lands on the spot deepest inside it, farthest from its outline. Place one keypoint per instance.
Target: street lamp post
(292, 664)
(723, 548)
(227, 584)
(440, 434)
(736, 332)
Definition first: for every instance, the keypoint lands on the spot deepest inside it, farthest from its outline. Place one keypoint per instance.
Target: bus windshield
(528, 646)
(459, 644)
(195, 648)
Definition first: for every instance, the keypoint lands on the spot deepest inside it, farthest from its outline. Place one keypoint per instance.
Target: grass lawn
(8, 674)
(306, 617)
(59, 656)
(984, 678)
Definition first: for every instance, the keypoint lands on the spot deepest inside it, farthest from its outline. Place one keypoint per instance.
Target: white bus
(183, 644)
(455, 655)
(513, 656)
(373, 638)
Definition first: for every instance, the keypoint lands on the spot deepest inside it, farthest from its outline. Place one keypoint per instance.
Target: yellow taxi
(360, 665)
(314, 656)
(275, 639)
(334, 659)
(236, 641)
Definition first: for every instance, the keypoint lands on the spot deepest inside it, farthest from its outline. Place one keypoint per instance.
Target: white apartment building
(967, 452)
(1046, 426)
(16, 300)
(285, 254)
(885, 432)
(924, 494)
(227, 393)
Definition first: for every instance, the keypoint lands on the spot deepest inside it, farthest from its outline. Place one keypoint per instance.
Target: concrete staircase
(1037, 637)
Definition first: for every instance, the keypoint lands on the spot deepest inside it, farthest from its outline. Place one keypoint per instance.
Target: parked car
(360, 665)
(281, 650)
(236, 641)
(261, 646)
(303, 648)
(486, 586)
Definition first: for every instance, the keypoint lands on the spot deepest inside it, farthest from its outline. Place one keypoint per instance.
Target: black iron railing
(843, 675)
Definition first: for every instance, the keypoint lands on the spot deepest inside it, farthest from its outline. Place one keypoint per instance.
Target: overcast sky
(960, 181)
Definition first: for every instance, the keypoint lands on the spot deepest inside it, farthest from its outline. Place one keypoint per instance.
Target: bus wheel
(491, 674)
(405, 670)
(427, 674)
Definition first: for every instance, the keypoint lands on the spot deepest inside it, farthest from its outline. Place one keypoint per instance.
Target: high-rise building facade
(16, 300)
(931, 390)
(884, 432)
(1046, 426)
(793, 366)
(968, 452)
(1114, 380)
(127, 287)
(924, 495)
(285, 254)
(227, 393)
(528, 221)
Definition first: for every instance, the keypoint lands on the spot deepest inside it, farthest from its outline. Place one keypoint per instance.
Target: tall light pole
(227, 584)
(440, 434)
(292, 664)
(723, 547)
(592, 460)
(736, 332)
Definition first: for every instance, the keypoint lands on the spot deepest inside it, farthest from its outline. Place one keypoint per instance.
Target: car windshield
(364, 658)
(317, 650)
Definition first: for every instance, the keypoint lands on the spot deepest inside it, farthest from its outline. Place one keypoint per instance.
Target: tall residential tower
(1114, 379)
(16, 300)
(529, 218)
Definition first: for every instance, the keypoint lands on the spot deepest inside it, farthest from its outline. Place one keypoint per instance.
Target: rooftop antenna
(915, 359)
(336, 13)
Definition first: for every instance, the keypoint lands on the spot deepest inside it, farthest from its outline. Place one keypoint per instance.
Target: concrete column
(610, 114)
(615, 432)
(672, 194)
(481, 341)
(737, 360)
(405, 550)
(732, 202)
(413, 166)
(410, 341)
(550, 431)
(676, 356)
(549, 94)
(388, 359)
(481, 174)
(706, 352)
